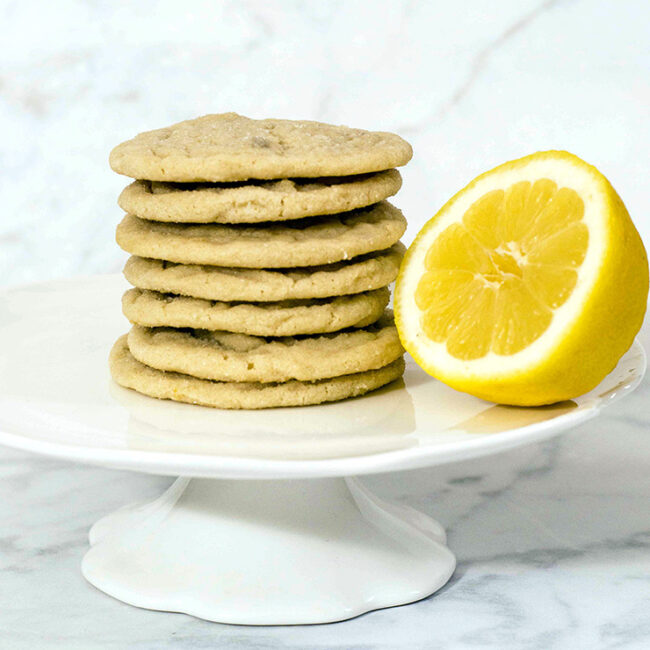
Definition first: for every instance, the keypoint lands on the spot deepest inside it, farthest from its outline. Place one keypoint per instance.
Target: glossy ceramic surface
(268, 552)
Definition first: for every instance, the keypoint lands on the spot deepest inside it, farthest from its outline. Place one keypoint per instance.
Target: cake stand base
(268, 552)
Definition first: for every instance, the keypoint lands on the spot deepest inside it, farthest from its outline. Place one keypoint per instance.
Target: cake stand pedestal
(268, 552)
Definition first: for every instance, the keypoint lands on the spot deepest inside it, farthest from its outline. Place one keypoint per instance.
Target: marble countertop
(552, 539)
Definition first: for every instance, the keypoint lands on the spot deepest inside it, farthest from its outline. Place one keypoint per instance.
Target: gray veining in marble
(553, 540)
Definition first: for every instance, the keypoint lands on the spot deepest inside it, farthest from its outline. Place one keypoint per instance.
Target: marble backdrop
(470, 84)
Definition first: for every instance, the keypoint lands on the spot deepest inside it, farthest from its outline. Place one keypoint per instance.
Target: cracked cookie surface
(286, 318)
(226, 356)
(130, 373)
(306, 242)
(228, 147)
(256, 202)
(364, 273)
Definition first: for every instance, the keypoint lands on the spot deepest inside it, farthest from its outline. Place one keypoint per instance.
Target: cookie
(254, 203)
(225, 356)
(228, 147)
(287, 318)
(364, 273)
(306, 242)
(130, 373)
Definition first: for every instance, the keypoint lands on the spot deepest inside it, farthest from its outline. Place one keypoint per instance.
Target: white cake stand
(264, 550)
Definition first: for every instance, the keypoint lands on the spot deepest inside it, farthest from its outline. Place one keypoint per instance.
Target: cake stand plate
(266, 525)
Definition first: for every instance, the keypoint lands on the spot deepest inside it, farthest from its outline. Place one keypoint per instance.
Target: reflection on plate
(374, 423)
(499, 418)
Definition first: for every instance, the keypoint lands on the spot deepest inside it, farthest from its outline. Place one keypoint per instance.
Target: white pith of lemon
(527, 286)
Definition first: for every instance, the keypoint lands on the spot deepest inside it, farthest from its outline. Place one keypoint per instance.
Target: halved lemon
(528, 285)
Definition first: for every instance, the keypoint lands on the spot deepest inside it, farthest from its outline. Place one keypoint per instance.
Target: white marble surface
(552, 540)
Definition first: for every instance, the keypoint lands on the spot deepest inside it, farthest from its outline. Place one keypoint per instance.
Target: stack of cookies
(261, 254)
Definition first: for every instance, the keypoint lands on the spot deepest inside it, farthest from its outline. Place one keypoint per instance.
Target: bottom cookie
(130, 373)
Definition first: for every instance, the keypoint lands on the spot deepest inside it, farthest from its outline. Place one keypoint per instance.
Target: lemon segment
(527, 286)
(506, 266)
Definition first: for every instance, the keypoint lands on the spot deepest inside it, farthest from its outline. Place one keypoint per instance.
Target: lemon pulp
(493, 280)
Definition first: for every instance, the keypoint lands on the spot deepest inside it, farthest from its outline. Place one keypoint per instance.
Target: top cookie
(228, 147)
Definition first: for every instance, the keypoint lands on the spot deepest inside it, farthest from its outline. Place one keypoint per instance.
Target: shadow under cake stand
(266, 524)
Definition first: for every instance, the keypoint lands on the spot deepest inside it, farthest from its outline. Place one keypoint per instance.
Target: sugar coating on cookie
(226, 356)
(364, 273)
(286, 318)
(130, 373)
(228, 147)
(305, 242)
(255, 202)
